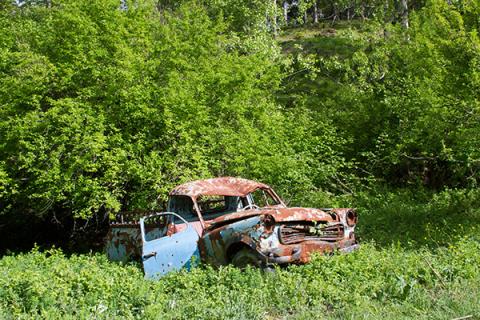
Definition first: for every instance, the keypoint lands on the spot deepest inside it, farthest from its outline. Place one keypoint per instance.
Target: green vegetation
(407, 103)
(106, 110)
(400, 272)
(105, 105)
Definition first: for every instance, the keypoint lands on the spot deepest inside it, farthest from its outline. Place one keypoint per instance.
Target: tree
(105, 109)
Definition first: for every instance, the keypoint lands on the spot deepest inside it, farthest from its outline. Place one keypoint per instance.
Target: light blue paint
(169, 253)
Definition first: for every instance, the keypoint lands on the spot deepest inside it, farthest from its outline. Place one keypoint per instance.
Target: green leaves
(431, 91)
(106, 109)
(407, 103)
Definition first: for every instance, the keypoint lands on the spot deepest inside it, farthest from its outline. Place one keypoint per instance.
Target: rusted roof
(225, 186)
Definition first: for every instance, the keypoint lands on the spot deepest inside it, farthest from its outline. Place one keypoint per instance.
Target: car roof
(222, 186)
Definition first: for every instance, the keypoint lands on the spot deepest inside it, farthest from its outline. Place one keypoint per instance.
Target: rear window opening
(183, 206)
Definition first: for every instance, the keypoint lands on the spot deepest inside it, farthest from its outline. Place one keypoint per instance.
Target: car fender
(217, 244)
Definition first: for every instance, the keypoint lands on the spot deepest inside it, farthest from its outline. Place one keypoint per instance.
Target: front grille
(294, 233)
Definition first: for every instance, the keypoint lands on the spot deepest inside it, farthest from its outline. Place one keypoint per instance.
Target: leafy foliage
(105, 109)
(406, 103)
(106, 105)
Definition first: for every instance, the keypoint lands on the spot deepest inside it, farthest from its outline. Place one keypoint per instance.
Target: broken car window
(156, 227)
(211, 204)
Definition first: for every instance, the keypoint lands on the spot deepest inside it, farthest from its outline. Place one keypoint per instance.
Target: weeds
(395, 275)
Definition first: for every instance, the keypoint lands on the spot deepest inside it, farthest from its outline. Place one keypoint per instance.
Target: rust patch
(226, 186)
(280, 215)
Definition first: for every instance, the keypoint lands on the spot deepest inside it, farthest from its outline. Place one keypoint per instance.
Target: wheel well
(234, 248)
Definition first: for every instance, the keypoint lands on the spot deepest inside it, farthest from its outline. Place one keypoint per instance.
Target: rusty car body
(229, 220)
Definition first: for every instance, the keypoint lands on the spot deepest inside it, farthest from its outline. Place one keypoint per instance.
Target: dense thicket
(406, 100)
(106, 104)
(105, 108)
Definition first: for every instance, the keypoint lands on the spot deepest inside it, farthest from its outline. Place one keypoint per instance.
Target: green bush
(405, 101)
(104, 110)
(113, 111)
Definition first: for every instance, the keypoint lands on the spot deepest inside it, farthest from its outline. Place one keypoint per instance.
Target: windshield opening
(263, 198)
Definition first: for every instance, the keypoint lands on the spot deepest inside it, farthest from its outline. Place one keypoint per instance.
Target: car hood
(282, 215)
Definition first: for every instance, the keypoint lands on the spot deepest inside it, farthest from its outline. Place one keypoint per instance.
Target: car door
(162, 253)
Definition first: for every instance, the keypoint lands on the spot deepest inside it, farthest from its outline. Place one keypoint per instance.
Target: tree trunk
(274, 22)
(404, 13)
(305, 17)
(386, 19)
(285, 12)
(396, 13)
(362, 10)
(335, 13)
(315, 12)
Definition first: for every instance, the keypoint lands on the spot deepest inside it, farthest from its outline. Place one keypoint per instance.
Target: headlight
(268, 222)
(351, 218)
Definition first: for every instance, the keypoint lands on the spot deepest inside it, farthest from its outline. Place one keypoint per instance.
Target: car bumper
(301, 252)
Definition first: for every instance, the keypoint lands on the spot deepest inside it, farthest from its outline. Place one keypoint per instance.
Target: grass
(323, 39)
(414, 263)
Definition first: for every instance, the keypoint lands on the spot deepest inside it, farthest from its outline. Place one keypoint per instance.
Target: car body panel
(166, 253)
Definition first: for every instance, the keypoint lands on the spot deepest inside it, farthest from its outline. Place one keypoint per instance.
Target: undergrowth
(420, 258)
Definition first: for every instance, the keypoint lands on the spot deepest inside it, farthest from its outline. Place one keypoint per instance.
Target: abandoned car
(229, 220)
